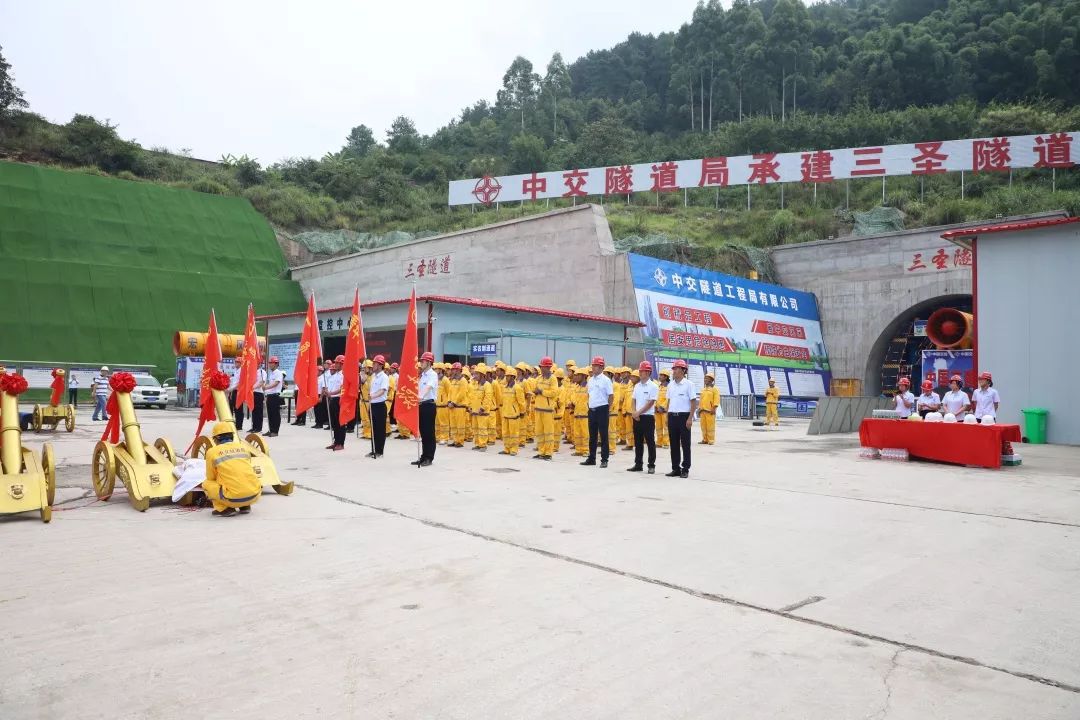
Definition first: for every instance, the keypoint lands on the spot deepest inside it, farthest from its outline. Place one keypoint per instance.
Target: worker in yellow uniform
(545, 396)
(457, 404)
(708, 401)
(628, 407)
(365, 398)
(568, 417)
(498, 384)
(581, 412)
(772, 404)
(442, 414)
(662, 438)
(614, 411)
(528, 431)
(231, 482)
(560, 405)
(619, 396)
(470, 421)
(483, 410)
(513, 403)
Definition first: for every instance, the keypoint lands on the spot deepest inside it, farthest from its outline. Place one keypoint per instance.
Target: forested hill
(762, 75)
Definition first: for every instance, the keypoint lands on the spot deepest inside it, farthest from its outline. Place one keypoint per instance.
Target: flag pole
(417, 439)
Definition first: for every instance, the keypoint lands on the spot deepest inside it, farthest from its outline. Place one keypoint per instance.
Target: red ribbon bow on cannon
(119, 382)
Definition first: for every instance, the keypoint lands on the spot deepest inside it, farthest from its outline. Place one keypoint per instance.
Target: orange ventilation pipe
(193, 344)
(950, 329)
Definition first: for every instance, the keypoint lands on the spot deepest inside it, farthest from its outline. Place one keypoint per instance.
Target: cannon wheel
(259, 443)
(140, 504)
(38, 419)
(48, 469)
(200, 446)
(69, 419)
(166, 449)
(103, 470)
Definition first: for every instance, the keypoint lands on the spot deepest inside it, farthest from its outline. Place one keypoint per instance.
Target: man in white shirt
(645, 394)
(332, 384)
(985, 398)
(682, 399)
(322, 414)
(275, 383)
(428, 390)
(929, 401)
(73, 390)
(238, 412)
(101, 389)
(601, 396)
(905, 399)
(380, 388)
(956, 400)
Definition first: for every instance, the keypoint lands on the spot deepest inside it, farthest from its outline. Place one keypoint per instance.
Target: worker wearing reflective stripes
(231, 481)
(442, 414)
(708, 401)
(581, 412)
(662, 438)
(513, 404)
(627, 419)
(458, 404)
(772, 404)
(614, 411)
(545, 396)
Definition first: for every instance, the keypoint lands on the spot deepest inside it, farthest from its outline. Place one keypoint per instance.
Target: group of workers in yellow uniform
(521, 404)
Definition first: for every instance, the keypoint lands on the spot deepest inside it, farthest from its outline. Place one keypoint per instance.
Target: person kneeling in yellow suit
(231, 481)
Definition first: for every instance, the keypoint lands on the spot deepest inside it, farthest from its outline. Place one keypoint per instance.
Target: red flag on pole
(306, 373)
(407, 399)
(211, 364)
(354, 350)
(249, 364)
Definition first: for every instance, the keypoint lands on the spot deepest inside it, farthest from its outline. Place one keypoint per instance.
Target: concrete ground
(786, 578)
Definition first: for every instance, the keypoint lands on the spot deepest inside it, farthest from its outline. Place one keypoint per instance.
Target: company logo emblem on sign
(487, 189)
(661, 277)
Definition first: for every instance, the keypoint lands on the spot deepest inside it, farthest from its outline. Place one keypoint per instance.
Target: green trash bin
(1035, 425)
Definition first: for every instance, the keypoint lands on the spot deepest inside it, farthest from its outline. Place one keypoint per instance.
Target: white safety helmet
(988, 420)
(969, 419)
(949, 418)
(933, 417)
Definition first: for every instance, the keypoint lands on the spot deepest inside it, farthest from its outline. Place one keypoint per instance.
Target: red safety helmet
(546, 362)
(957, 379)
(927, 385)
(986, 376)
(598, 361)
(680, 363)
(338, 359)
(394, 366)
(274, 359)
(645, 365)
(379, 359)
(428, 356)
(455, 366)
(904, 381)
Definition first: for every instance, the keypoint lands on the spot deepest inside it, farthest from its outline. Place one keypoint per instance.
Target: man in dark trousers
(334, 381)
(682, 403)
(428, 390)
(380, 388)
(601, 396)
(645, 393)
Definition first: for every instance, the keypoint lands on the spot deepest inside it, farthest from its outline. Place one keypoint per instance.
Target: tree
(402, 136)
(360, 141)
(788, 29)
(527, 154)
(556, 84)
(11, 97)
(519, 87)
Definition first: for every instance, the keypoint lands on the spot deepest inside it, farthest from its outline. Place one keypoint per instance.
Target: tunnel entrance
(897, 352)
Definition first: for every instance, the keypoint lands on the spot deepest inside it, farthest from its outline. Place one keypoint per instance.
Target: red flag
(407, 399)
(211, 364)
(354, 350)
(249, 364)
(306, 373)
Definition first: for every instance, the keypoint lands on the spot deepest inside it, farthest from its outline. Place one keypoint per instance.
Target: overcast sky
(282, 78)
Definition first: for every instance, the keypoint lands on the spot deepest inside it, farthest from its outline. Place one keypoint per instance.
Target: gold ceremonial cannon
(260, 454)
(54, 413)
(145, 470)
(25, 484)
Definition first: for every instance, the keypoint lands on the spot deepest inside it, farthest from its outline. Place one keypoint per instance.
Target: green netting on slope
(730, 259)
(143, 263)
(333, 242)
(877, 221)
